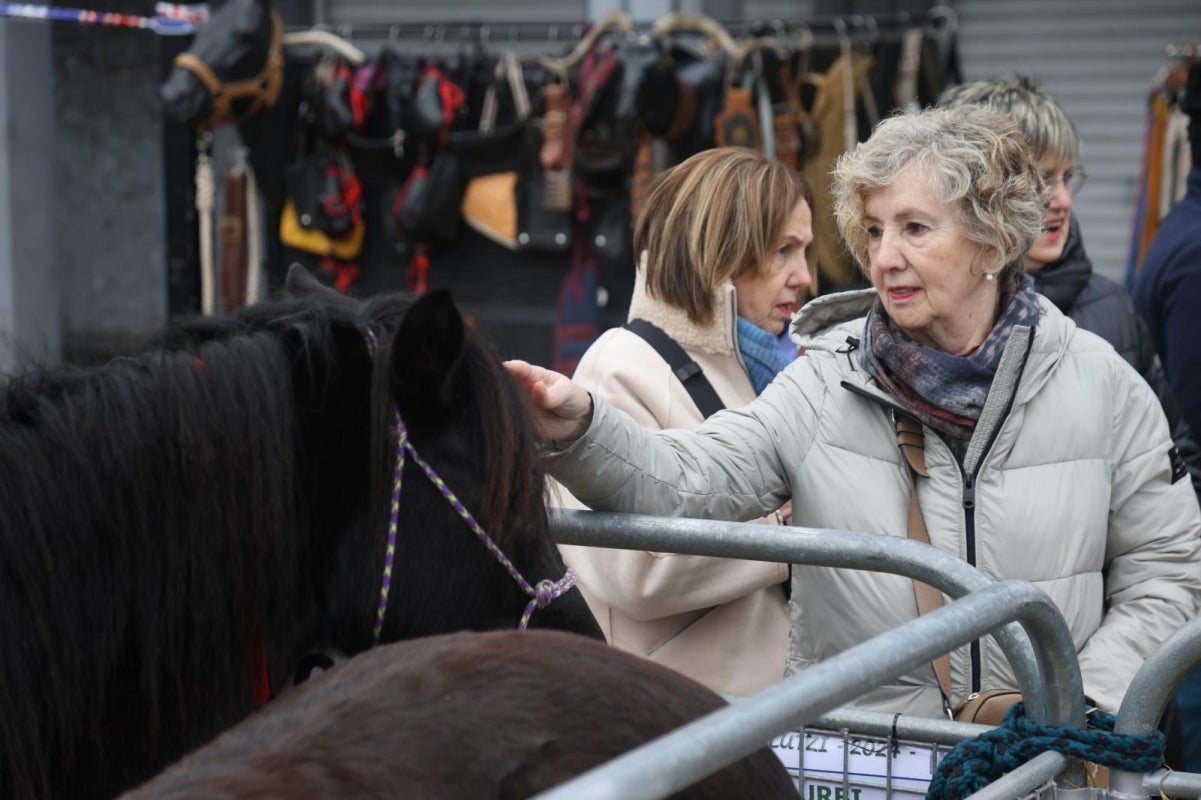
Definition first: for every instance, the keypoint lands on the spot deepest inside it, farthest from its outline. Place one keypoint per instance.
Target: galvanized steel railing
(1144, 703)
(1048, 673)
(1047, 701)
(690, 753)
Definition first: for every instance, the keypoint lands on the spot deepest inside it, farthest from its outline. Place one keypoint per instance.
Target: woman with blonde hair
(722, 269)
(1046, 458)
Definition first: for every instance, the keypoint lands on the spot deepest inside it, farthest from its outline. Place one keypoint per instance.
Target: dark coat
(1097, 304)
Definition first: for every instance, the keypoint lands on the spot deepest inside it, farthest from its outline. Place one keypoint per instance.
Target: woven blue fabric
(975, 763)
(761, 353)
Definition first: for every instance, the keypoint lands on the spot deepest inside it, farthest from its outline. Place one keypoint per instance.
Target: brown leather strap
(912, 442)
(685, 115)
(232, 238)
(556, 127)
(555, 155)
(788, 140)
(643, 172)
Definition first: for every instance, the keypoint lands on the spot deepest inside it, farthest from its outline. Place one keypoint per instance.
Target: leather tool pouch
(737, 125)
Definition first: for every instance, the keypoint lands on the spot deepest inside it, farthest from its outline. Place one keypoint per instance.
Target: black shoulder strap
(686, 370)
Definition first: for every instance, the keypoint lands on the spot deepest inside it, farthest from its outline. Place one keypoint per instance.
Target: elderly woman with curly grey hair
(1046, 457)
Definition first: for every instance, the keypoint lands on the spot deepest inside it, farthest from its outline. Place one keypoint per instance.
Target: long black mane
(171, 519)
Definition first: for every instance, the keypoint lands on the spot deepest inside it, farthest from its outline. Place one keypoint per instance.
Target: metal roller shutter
(787, 10)
(359, 12)
(1097, 59)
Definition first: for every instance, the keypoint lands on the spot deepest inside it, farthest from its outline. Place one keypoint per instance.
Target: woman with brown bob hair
(721, 242)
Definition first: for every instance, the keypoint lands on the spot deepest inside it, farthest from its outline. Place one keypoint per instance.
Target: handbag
(986, 707)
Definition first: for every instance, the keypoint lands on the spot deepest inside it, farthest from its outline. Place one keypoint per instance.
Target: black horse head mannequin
(233, 68)
(237, 70)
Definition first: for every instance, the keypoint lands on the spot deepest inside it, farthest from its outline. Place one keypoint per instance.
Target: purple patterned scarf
(944, 391)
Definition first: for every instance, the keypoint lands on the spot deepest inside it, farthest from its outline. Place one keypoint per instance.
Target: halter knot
(544, 592)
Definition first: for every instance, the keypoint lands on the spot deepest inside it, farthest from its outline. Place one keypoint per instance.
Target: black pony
(178, 529)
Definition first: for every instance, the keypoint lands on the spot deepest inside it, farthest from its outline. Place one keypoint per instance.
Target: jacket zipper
(969, 512)
(968, 500)
(969, 525)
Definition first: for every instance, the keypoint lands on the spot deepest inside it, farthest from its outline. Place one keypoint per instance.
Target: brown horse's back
(467, 715)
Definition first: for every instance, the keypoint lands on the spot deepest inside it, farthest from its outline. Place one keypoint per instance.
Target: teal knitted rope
(975, 763)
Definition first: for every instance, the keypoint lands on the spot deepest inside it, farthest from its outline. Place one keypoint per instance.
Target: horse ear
(426, 353)
(301, 283)
(249, 15)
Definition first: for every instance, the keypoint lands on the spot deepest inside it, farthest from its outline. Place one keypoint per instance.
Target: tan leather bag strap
(912, 442)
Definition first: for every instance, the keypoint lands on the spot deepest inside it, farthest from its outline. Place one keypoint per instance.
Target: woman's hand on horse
(562, 408)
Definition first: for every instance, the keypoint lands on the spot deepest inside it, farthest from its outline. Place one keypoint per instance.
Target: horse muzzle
(185, 98)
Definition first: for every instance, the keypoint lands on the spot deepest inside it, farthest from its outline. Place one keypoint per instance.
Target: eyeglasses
(1073, 178)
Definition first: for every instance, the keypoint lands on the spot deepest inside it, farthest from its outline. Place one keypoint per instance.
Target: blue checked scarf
(761, 353)
(944, 391)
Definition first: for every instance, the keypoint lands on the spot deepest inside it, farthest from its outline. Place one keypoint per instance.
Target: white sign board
(819, 760)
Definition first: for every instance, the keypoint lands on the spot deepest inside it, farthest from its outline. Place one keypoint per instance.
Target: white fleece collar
(718, 338)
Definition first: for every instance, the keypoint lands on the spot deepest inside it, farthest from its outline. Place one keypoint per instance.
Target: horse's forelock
(513, 489)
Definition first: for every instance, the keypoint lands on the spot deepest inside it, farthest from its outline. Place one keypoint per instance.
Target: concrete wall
(109, 210)
(29, 308)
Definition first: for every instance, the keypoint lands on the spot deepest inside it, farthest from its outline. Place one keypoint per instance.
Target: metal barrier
(1048, 701)
(690, 753)
(1047, 674)
(901, 726)
(1144, 703)
(1031, 778)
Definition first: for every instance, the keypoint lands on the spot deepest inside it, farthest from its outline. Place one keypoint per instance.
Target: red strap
(360, 104)
(417, 273)
(347, 200)
(593, 76)
(344, 272)
(450, 97)
(357, 98)
(256, 665)
(416, 173)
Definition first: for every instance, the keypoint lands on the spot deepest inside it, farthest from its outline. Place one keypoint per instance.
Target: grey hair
(1046, 126)
(977, 163)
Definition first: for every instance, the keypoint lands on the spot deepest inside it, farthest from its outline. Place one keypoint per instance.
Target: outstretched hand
(562, 408)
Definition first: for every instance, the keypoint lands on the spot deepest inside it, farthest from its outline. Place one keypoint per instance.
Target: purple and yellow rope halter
(540, 595)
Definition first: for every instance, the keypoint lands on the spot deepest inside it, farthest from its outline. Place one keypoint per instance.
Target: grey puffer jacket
(1068, 482)
(1097, 304)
